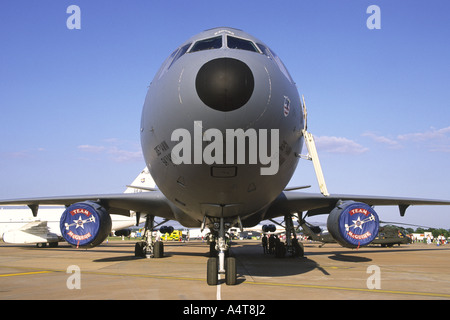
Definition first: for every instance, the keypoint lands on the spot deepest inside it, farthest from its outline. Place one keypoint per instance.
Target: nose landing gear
(222, 264)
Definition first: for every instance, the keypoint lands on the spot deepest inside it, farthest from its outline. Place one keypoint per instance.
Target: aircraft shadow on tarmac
(166, 256)
(251, 262)
(258, 264)
(370, 250)
(117, 259)
(349, 258)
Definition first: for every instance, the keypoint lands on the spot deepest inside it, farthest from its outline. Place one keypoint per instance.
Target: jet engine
(122, 233)
(353, 224)
(269, 228)
(85, 224)
(166, 229)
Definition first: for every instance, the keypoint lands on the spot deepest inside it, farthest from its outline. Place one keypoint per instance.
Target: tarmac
(110, 271)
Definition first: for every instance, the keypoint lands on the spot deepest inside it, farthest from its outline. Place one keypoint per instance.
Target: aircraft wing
(316, 203)
(144, 202)
(287, 202)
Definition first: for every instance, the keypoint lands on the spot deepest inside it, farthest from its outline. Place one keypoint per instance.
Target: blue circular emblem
(81, 223)
(358, 224)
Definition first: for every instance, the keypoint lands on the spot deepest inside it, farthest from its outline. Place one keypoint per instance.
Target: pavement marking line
(23, 273)
(141, 276)
(107, 274)
(430, 294)
(219, 288)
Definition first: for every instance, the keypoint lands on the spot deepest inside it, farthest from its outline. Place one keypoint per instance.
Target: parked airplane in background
(222, 131)
(18, 227)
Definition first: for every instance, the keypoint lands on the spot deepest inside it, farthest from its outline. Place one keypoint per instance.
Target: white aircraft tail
(143, 182)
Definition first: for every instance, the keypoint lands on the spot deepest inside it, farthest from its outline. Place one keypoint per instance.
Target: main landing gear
(292, 247)
(149, 247)
(222, 263)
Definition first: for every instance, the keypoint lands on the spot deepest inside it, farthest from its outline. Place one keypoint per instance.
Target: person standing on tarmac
(264, 243)
(271, 244)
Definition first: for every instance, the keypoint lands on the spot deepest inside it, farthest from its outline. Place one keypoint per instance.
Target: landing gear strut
(221, 264)
(292, 247)
(149, 247)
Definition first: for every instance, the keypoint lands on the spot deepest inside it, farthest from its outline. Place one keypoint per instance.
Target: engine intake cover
(85, 224)
(353, 224)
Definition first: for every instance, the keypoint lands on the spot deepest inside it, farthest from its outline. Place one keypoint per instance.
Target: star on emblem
(358, 223)
(79, 223)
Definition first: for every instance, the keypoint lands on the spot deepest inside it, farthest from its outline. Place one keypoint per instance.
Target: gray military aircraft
(222, 131)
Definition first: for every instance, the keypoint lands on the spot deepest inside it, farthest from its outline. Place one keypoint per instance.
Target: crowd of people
(269, 243)
(429, 239)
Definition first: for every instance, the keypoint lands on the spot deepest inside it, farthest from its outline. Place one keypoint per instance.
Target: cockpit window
(207, 44)
(242, 44)
(180, 53)
(273, 56)
(177, 54)
(265, 50)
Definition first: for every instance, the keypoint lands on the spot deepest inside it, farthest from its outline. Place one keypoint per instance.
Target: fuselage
(221, 127)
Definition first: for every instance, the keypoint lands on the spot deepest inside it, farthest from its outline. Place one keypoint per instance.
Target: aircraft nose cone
(225, 84)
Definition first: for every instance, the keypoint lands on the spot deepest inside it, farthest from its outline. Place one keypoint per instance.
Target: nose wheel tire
(158, 249)
(139, 250)
(212, 273)
(230, 271)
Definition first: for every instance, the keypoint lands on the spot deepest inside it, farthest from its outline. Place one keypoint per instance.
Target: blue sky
(378, 100)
